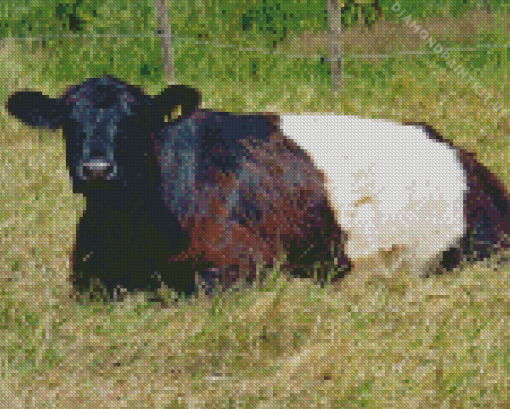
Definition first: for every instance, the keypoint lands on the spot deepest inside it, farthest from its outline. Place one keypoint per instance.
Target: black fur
(167, 196)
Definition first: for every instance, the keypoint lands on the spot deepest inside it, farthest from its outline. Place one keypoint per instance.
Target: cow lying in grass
(404, 189)
(170, 194)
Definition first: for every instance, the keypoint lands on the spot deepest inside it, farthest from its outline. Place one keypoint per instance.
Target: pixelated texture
(213, 192)
(407, 187)
(369, 340)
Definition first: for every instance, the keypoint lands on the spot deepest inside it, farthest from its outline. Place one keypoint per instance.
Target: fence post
(335, 45)
(165, 31)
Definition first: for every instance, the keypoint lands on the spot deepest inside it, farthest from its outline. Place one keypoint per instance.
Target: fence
(436, 49)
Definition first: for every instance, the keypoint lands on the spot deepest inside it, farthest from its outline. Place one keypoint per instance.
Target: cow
(171, 193)
(402, 190)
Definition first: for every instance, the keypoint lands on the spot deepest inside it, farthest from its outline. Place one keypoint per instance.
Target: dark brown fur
(297, 219)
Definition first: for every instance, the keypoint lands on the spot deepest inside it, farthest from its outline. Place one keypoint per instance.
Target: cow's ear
(37, 109)
(175, 102)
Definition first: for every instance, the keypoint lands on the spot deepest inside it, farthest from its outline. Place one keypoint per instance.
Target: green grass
(367, 341)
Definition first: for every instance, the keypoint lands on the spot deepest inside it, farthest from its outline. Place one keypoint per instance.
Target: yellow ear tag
(176, 113)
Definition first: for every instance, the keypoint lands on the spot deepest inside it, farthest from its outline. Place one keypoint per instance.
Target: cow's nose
(99, 169)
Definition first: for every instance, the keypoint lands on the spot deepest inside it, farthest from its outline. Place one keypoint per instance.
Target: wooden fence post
(165, 31)
(335, 45)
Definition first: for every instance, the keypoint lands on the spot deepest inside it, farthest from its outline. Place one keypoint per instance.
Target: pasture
(371, 340)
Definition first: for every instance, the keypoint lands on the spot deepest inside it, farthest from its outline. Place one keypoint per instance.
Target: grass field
(371, 341)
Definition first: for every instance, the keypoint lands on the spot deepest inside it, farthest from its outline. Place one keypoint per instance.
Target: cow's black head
(109, 127)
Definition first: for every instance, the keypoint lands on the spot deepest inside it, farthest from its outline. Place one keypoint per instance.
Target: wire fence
(176, 38)
(461, 71)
